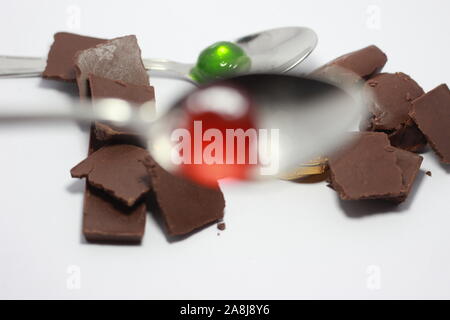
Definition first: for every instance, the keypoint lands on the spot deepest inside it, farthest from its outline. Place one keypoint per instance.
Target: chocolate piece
(431, 112)
(117, 59)
(221, 226)
(60, 63)
(117, 170)
(107, 88)
(390, 96)
(409, 163)
(428, 173)
(369, 168)
(362, 63)
(107, 220)
(185, 205)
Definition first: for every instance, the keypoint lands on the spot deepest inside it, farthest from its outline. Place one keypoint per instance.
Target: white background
(283, 240)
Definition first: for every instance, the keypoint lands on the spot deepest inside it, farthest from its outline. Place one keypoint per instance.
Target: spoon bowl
(278, 50)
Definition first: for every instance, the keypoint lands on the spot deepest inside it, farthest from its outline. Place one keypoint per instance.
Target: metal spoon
(310, 117)
(275, 50)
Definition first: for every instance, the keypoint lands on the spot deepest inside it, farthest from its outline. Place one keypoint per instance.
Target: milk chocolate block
(60, 64)
(362, 63)
(184, 205)
(107, 88)
(370, 168)
(116, 170)
(105, 219)
(117, 59)
(409, 163)
(108, 220)
(431, 112)
(389, 97)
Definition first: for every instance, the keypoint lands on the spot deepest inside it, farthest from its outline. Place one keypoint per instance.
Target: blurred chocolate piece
(353, 66)
(390, 96)
(107, 88)
(184, 205)
(60, 63)
(431, 112)
(105, 219)
(370, 168)
(117, 59)
(116, 170)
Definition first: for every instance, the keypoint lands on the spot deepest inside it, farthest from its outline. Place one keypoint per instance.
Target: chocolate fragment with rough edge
(366, 168)
(352, 66)
(390, 96)
(370, 168)
(184, 205)
(106, 219)
(431, 112)
(107, 88)
(116, 59)
(60, 64)
(409, 163)
(118, 171)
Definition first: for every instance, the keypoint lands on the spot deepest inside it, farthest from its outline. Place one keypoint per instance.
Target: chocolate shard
(366, 169)
(107, 88)
(117, 59)
(390, 96)
(370, 168)
(106, 219)
(184, 205)
(60, 64)
(409, 163)
(116, 170)
(362, 63)
(431, 112)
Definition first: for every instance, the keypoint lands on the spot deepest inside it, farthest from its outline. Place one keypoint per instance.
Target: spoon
(301, 117)
(275, 50)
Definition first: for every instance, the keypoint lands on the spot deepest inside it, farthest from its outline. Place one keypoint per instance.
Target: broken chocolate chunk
(431, 112)
(117, 59)
(105, 219)
(60, 64)
(184, 205)
(117, 170)
(370, 168)
(390, 96)
(107, 88)
(352, 66)
(409, 163)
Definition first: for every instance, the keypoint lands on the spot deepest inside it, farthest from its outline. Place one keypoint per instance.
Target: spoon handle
(169, 69)
(17, 66)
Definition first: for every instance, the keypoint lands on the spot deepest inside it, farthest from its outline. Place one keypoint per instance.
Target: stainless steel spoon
(275, 50)
(309, 117)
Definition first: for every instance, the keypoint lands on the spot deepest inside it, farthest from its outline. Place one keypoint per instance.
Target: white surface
(283, 240)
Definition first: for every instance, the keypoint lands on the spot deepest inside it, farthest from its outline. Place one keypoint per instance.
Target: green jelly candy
(220, 60)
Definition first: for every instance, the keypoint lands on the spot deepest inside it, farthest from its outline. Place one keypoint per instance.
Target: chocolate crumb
(428, 173)
(221, 226)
